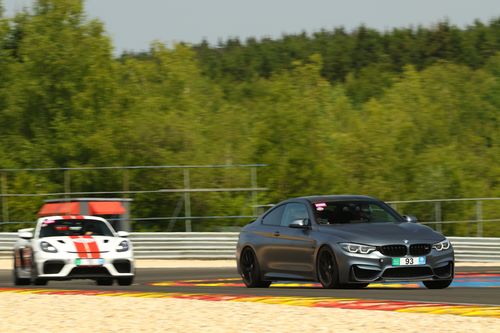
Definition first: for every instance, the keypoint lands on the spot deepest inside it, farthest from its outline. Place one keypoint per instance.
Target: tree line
(410, 113)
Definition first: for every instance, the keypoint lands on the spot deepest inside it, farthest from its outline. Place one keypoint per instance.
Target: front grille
(420, 249)
(52, 266)
(393, 250)
(89, 271)
(122, 265)
(407, 272)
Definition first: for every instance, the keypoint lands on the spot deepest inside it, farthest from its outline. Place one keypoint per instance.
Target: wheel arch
(316, 254)
(240, 251)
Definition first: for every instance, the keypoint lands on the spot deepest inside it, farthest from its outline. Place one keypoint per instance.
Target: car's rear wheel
(125, 281)
(250, 270)
(18, 281)
(104, 282)
(327, 269)
(438, 284)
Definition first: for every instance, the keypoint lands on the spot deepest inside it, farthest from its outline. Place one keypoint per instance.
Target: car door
(264, 239)
(294, 248)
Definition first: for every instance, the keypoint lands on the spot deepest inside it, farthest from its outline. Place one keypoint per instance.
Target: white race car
(73, 247)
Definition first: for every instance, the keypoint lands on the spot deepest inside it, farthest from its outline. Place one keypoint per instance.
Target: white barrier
(222, 245)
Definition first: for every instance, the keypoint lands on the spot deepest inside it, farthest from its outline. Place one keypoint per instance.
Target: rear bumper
(376, 267)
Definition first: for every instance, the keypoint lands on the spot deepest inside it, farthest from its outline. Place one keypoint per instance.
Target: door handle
(276, 233)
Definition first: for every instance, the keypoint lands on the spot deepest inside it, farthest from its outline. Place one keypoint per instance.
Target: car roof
(71, 217)
(343, 197)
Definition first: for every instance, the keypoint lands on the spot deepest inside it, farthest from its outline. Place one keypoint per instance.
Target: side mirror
(25, 234)
(124, 234)
(410, 218)
(300, 224)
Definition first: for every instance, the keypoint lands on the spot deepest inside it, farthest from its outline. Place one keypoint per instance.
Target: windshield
(343, 212)
(56, 228)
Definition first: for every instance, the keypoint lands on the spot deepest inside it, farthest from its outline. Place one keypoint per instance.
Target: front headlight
(123, 246)
(441, 246)
(357, 248)
(47, 247)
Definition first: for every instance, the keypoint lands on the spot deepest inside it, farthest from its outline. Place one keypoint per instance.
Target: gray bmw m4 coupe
(342, 242)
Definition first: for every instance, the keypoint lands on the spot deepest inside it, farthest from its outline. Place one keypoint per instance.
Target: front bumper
(376, 267)
(57, 266)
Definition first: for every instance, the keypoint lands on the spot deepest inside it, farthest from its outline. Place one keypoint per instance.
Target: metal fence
(437, 222)
(222, 245)
(437, 213)
(183, 206)
(436, 209)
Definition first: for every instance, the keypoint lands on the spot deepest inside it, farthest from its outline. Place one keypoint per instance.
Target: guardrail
(222, 245)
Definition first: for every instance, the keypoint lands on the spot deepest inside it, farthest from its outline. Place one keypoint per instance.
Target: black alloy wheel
(250, 270)
(327, 269)
(438, 284)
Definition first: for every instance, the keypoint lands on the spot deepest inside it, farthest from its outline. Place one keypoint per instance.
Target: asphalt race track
(474, 285)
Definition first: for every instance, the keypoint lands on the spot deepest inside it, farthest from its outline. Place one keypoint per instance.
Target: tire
(354, 285)
(104, 282)
(250, 270)
(34, 275)
(18, 281)
(125, 281)
(327, 269)
(40, 282)
(437, 284)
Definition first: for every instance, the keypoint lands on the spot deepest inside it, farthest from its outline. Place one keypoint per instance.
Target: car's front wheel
(104, 282)
(250, 270)
(354, 285)
(125, 281)
(327, 269)
(34, 274)
(438, 284)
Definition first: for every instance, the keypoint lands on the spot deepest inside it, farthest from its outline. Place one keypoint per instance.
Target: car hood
(383, 233)
(83, 244)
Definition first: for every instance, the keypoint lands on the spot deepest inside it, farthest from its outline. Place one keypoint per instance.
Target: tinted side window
(274, 216)
(294, 211)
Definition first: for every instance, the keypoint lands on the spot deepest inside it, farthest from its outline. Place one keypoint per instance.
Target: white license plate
(89, 262)
(408, 261)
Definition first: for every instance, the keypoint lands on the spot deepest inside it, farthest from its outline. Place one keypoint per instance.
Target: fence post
(5, 204)
(479, 218)
(67, 185)
(438, 215)
(253, 180)
(187, 200)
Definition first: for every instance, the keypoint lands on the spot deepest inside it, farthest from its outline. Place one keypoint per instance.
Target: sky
(134, 24)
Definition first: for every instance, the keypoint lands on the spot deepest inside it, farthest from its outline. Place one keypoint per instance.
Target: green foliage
(411, 113)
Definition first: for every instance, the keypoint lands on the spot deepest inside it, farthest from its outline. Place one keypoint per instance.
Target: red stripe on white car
(86, 246)
(80, 249)
(94, 248)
